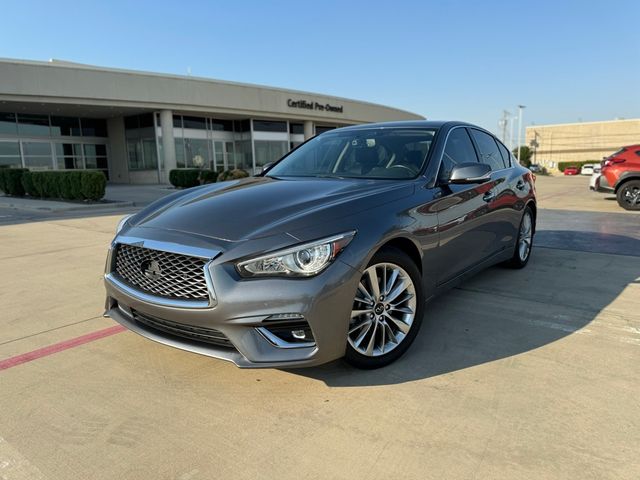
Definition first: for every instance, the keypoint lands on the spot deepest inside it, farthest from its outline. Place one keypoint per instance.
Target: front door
(466, 233)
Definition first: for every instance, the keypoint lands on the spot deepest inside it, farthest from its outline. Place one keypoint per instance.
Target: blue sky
(566, 61)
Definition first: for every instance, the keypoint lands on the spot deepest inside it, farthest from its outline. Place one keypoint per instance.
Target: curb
(71, 208)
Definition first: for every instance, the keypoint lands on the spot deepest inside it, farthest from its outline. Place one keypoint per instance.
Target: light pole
(511, 140)
(520, 108)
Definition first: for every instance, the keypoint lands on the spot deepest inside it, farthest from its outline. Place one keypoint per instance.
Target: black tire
(517, 261)
(397, 257)
(628, 195)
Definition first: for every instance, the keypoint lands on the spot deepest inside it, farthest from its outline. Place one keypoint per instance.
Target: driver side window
(458, 149)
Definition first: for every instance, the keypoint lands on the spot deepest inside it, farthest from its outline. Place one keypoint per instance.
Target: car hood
(262, 206)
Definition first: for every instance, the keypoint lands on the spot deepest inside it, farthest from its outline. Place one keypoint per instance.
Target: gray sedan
(331, 252)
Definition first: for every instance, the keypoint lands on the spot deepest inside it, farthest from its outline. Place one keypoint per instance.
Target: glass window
(131, 123)
(458, 149)
(95, 127)
(198, 123)
(243, 157)
(92, 150)
(489, 153)
(10, 162)
(366, 153)
(134, 152)
(37, 125)
(36, 148)
(65, 126)
(10, 148)
(241, 126)
(268, 151)
(150, 153)
(8, 123)
(321, 129)
(177, 121)
(506, 157)
(38, 163)
(296, 128)
(222, 125)
(269, 126)
(196, 153)
(179, 152)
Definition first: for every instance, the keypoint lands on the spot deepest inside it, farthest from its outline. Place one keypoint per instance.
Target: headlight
(121, 223)
(301, 261)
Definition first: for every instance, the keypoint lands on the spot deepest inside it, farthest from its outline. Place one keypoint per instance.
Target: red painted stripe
(59, 347)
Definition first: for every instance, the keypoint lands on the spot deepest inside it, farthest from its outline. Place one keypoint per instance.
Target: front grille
(201, 334)
(165, 274)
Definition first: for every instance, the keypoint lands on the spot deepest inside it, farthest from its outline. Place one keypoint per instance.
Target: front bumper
(242, 309)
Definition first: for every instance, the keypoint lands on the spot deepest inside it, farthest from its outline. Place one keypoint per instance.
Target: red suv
(621, 174)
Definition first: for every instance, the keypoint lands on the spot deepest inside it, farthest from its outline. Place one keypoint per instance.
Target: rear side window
(458, 149)
(506, 157)
(489, 152)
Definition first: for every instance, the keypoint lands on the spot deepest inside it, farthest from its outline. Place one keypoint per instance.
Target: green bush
(563, 165)
(209, 176)
(69, 185)
(92, 185)
(11, 181)
(232, 175)
(184, 177)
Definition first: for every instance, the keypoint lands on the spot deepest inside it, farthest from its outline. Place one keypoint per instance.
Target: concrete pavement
(515, 374)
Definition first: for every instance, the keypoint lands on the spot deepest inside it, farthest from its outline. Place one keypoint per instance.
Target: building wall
(573, 142)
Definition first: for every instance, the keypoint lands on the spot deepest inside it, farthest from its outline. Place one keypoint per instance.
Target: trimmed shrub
(209, 176)
(92, 185)
(11, 181)
(184, 177)
(563, 165)
(232, 175)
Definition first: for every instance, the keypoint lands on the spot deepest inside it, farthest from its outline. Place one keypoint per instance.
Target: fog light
(299, 334)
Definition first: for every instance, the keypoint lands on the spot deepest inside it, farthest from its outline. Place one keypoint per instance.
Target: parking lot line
(59, 347)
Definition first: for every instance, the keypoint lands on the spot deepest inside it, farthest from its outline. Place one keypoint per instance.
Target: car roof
(409, 124)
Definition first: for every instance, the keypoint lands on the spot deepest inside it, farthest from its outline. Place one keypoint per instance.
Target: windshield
(374, 153)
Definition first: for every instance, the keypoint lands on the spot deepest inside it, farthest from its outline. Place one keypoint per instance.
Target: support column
(308, 129)
(168, 143)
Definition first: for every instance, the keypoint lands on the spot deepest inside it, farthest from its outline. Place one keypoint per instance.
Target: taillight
(610, 161)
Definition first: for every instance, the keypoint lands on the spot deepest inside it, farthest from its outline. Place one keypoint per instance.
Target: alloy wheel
(631, 195)
(526, 234)
(383, 310)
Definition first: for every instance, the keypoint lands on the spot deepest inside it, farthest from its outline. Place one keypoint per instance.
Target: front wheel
(628, 195)
(387, 310)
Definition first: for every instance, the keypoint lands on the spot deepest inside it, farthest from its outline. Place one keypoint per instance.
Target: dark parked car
(332, 252)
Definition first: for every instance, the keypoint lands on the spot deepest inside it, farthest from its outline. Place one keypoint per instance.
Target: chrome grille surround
(183, 277)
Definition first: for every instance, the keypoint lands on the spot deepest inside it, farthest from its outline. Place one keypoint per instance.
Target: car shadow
(502, 313)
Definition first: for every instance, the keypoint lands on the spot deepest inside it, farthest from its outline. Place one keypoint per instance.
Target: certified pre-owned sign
(314, 106)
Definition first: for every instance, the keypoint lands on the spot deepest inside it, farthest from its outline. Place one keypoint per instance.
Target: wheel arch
(624, 178)
(406, 245)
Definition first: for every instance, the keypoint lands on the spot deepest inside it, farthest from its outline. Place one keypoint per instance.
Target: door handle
(520, 185)
(490, 195)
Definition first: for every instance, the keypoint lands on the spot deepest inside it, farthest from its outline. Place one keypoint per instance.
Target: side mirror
(472, 172)
(266, 167)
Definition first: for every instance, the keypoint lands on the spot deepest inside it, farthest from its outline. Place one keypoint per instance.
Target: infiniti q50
(333, 251)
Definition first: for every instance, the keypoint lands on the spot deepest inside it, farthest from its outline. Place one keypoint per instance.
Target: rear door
(465, 234)
(501, 199)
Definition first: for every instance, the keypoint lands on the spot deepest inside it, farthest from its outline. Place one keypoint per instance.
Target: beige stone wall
(581, 141)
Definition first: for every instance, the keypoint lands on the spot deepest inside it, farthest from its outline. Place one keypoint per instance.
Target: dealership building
(137, 126)
(580, 142)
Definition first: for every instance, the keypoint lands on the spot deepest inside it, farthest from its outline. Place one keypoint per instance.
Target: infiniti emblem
(151, 269)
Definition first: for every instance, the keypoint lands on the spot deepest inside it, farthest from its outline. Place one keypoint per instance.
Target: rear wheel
(629, 195)
(387, 310)
(522, 250)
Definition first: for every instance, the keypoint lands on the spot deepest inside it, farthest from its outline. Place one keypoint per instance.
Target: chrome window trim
(444, 146)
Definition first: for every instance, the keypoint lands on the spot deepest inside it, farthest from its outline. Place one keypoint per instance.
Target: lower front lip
(242, 307)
